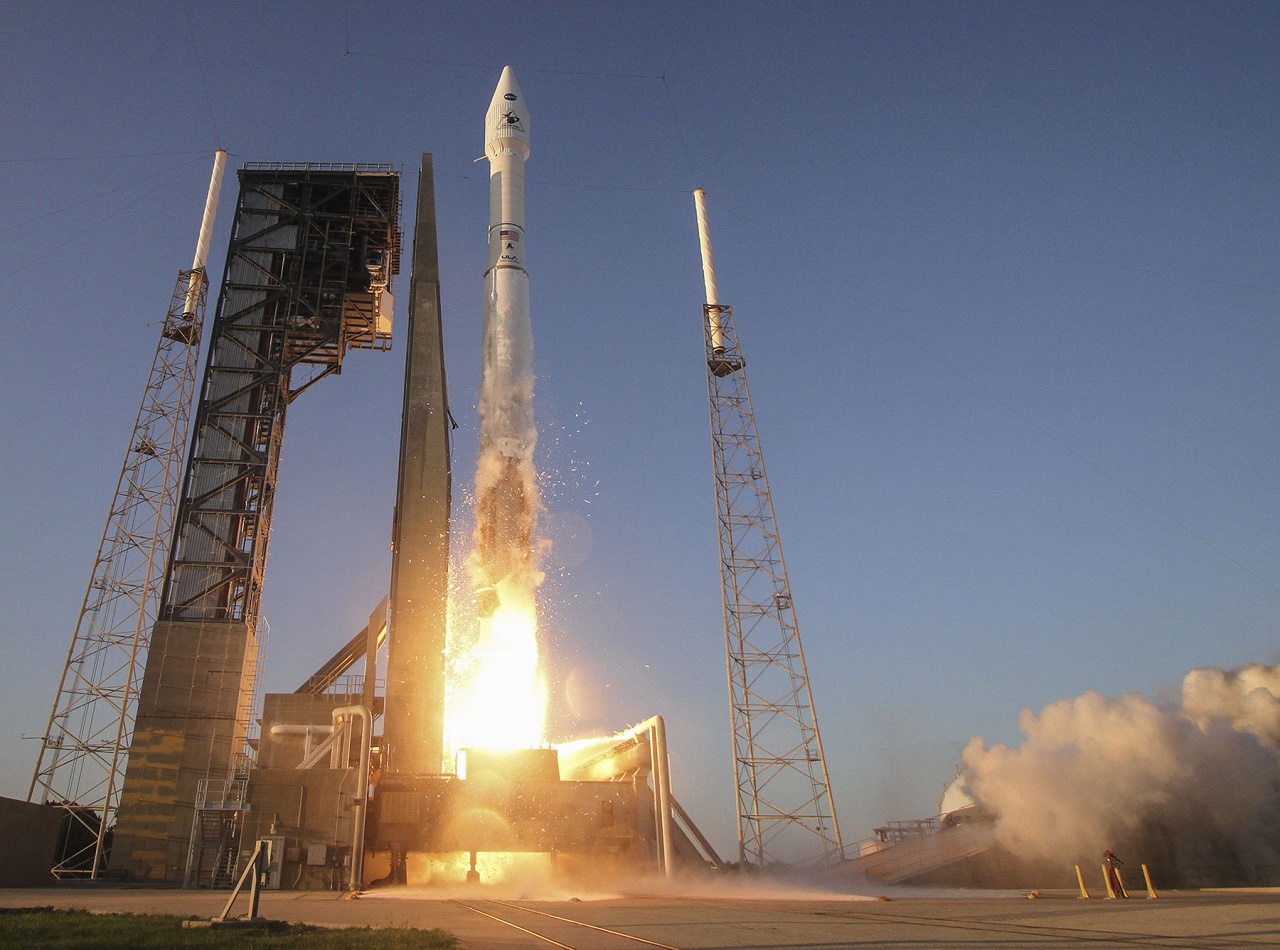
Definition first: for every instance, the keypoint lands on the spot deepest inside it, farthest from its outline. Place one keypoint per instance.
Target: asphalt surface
(758, 919)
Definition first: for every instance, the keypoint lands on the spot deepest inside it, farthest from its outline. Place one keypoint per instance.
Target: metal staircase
(215, 834)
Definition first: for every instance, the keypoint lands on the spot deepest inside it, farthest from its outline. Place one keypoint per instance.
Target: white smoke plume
(1248, 698)
(1196, 784)
(496, 691)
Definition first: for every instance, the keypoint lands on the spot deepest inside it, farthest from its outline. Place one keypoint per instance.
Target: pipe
(657, 730)
(210, 210)
(709, 272)
(310, 754)
(662, 781)
(287, 729)
(194, 286)
(701, 838)
(704, 239)
(311, 758)
(361, 802)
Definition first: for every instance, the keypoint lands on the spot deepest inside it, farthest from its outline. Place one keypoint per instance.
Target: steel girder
(82, 757)
(785, 810)
(310, 249)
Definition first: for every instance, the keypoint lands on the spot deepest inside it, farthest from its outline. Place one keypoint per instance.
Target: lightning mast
(82, 757)
(785, 811)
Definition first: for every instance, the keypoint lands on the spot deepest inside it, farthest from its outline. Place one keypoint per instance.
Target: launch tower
(82, 756)
(313, 249)
(785, 809)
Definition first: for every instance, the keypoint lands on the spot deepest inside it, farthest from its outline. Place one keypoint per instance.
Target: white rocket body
(506, 483)
(507, 421)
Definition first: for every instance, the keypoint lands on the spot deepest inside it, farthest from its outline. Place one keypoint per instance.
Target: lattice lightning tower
(785, 811)
(82, 757)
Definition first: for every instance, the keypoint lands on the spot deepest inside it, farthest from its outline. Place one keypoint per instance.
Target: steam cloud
(1193, 785)
(495, 692)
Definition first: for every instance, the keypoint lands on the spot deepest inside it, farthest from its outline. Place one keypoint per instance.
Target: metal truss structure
(82, 758)
(785, 811)
(313, 248)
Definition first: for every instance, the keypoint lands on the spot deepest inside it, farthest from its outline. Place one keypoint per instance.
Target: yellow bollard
(1151, 891)
(1106, 879)
(1084, 894)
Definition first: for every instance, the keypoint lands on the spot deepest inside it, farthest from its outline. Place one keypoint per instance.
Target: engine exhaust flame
(496, 698)
(496, 690)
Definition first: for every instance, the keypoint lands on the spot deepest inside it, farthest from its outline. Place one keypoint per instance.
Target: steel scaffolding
(311, 255)
(82, 757)
(785, 810)
(313, 250)
(81, 764)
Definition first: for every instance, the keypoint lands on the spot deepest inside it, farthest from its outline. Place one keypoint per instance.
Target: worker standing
(1110, 863)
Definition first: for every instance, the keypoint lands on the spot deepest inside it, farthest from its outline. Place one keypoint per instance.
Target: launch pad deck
(481, 917)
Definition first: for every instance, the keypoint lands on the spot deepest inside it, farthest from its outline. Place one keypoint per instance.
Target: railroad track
(776, 925)
(556, 931)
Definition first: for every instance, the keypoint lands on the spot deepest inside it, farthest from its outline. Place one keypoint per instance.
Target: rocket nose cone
(507, 81)
(507, 117)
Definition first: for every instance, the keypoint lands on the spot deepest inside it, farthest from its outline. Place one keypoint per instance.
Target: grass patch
(80, 930)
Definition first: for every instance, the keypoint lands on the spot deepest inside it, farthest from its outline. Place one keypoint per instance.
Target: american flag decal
(505, 235)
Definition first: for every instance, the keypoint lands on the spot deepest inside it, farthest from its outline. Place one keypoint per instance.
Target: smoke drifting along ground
(1193, 785)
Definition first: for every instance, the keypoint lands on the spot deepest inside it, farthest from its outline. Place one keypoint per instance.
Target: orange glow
(494, 867)
(497, 695)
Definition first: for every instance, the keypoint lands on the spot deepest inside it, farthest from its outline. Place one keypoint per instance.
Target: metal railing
(375, 167)
(222, 794)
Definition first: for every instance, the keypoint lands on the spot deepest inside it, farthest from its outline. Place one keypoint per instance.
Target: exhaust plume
(496, 697)
(1195, 784)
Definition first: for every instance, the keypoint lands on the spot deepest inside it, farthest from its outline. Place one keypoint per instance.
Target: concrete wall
(28, 838)
(296, 709)
(188, 729)
(312, 810)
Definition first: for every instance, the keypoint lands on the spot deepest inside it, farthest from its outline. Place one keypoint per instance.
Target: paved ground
(763, 920)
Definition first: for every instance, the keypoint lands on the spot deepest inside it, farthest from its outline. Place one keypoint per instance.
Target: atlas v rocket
(506, 482)
(506, 487)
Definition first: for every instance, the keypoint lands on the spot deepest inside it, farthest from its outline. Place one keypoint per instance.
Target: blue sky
(1006, 277)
